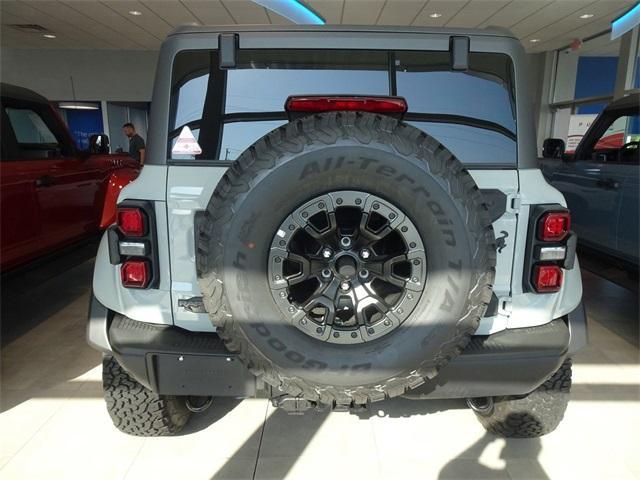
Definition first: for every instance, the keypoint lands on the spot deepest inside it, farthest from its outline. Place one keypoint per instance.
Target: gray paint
(193, 38)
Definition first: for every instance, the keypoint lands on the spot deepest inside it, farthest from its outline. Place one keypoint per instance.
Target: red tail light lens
(131, 221)
(316, 104)
(547, 278)
(135, 273)
(554, 226)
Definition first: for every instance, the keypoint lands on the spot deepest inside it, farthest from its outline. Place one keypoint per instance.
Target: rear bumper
(511, 362)
(174, 361)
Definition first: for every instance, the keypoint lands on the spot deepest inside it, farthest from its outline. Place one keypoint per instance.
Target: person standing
(136, 142)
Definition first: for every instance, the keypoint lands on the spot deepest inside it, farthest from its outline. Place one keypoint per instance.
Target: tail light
(554, 226)
(135, 273)
(133, 244)
(547, 278)
(550, 248)
(131, 221)
(322, 103)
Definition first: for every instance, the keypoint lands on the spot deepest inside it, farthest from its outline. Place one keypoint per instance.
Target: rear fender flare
(116, 182)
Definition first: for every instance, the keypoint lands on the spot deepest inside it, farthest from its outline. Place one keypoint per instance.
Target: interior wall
(566, 73)
(127, 76)
(112, 75)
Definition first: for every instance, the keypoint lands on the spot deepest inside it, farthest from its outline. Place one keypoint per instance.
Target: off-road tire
(535, 415)
(136, 410)
(286, 146)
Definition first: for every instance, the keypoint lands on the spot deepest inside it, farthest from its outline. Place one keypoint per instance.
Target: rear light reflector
(554, 226)
(548, 254)
(132, 249)
(135, 273)
(547, 278)
(320, 103)
(131, 221)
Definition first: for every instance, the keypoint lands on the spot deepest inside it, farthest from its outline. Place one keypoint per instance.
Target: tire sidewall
(378, 169)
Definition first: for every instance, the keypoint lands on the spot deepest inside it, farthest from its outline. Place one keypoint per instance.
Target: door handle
(608, 183)
(45, 181)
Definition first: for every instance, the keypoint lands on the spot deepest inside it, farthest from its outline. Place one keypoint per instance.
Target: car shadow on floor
(467, 463)
(219, 408)
(36, 292)
(299, 431)
(44, 311)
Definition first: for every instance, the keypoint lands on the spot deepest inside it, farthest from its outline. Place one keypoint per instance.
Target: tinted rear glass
(471, 113)
(424, 79)
(264, 78)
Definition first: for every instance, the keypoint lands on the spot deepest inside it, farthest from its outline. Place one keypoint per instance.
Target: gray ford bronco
(333, 216)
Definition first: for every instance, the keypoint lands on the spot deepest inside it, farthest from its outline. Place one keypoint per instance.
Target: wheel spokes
(310, 267)
(350, 270)
(384, 270)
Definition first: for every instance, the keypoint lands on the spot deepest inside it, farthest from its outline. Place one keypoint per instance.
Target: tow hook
(298, 405)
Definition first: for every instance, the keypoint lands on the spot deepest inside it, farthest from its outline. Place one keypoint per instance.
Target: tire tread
(535, 415)
(328, 128)
(136, 410)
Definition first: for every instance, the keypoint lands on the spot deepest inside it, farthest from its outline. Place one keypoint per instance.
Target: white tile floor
(54, 424)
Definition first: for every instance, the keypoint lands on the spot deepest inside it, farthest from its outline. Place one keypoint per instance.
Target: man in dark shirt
(136, 142)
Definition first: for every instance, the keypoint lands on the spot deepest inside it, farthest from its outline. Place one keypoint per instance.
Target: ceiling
(91, 24)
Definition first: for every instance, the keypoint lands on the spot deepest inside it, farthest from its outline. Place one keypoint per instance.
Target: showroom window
(243, 104)
(584, 84)
(82, 122)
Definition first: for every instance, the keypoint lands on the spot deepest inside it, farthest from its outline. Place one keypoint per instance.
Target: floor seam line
(34, 434)
(135, 457)
(264, 425)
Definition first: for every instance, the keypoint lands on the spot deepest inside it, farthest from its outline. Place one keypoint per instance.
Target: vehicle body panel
(601, 191)
(153, 305)
(310, 37)
(49, 201)
(524, 336)
(628, 228)
(183, 188)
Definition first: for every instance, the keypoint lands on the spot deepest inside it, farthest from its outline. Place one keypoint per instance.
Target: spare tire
(346, 257)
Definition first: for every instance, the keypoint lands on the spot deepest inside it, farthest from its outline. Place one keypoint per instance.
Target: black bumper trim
(174, 361)
(97, 325)
(510, 362)
(579, 334)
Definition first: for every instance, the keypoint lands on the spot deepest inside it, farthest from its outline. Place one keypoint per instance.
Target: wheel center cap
(346, 266)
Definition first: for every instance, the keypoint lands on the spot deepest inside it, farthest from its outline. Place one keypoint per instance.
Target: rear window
(472, 113)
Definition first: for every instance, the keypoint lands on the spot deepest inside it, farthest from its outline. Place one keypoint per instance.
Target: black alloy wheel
(347, 267)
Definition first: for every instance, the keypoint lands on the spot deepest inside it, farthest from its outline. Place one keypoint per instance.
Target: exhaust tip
(198, 404)
(481, 405)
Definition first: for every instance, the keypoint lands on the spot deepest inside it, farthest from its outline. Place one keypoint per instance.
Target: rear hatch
(471, 112)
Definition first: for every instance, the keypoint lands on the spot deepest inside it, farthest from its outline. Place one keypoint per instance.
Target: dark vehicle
(600, 180)
(335, 216)
(51, 194)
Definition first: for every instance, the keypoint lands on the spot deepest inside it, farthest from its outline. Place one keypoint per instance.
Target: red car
(51, 194)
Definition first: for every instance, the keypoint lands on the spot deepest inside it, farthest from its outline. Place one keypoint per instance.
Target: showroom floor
(54, 423)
